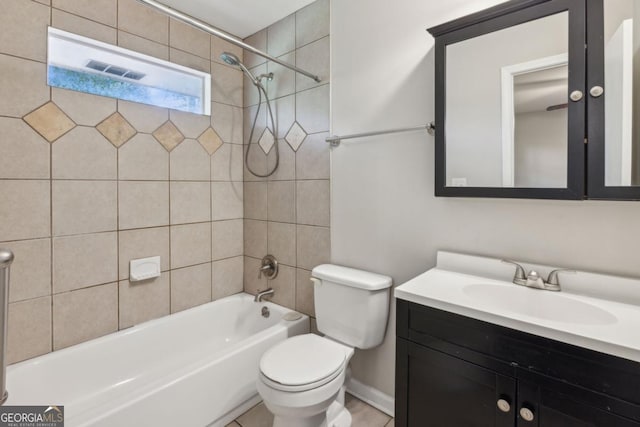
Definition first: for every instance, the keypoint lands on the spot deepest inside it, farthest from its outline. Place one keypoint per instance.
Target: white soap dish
(144, 269)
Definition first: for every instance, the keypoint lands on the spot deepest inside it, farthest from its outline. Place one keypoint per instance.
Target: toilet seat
(303, 362)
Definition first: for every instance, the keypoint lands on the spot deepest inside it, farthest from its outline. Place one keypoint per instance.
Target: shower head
(230, 59)
(234, 61)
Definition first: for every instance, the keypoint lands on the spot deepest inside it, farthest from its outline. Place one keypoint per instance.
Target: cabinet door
(551, 405)
(612, 103)
(516, 129)
(443, 391)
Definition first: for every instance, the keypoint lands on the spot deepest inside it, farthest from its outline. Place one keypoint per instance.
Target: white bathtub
(194, 368)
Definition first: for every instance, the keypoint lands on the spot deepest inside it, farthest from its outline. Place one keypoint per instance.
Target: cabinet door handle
(503, 405)
(597, 91)
(576, 95)
(527, 414)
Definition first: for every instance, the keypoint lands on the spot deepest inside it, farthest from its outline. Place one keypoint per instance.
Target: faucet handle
(263, 269)
(553, 276)
(520, 273)
(268, 267)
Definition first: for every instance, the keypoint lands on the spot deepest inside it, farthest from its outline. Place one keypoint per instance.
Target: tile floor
(363, 416)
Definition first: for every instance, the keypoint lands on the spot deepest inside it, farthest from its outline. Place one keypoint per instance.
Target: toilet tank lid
(352, 277)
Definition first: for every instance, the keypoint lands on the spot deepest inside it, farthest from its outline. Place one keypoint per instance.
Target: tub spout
(261, 294)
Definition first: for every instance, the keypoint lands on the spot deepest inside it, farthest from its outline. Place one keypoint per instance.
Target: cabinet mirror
(540, 99)
(614, 85)
(510, 102)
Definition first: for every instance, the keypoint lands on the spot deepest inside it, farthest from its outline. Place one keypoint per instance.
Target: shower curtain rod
(223, 35)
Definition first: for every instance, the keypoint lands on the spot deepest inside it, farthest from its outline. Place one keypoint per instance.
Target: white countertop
(605, 326)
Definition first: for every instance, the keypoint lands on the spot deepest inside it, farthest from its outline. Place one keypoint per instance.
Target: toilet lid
(303, 359)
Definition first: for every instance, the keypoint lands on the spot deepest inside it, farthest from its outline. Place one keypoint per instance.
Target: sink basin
(594, 311)
(539, 304)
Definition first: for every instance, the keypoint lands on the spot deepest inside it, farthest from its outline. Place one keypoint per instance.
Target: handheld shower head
(230, 59)
(234, 61)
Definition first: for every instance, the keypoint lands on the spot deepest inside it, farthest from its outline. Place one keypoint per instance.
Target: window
(85, 65)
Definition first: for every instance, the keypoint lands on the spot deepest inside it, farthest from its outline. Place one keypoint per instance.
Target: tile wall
(287, 214)
(89, 183)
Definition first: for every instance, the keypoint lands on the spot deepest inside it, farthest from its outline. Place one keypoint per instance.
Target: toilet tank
(352, 306)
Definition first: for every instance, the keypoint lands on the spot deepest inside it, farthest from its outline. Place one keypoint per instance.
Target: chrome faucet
(261, 294)
(534, 280)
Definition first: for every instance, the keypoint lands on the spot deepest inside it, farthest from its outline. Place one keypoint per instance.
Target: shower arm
(223, 35)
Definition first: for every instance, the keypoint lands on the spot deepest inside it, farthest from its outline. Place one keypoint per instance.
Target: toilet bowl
(302, 379)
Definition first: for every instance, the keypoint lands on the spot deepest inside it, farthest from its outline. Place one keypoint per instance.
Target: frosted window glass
(85, 65)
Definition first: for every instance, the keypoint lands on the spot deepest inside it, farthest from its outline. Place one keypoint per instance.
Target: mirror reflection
(507, 127)
(622, 98)
(540, 119)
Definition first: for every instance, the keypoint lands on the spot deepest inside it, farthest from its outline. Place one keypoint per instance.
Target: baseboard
(372, 396)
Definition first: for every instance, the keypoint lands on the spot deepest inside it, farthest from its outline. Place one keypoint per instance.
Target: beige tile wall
(89, 183)
(287, 214)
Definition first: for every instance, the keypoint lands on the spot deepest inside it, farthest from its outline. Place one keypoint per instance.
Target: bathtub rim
(135, 329)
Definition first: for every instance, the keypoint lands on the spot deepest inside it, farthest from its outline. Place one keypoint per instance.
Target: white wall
(616, 11)
(384, 215)
(541, 149)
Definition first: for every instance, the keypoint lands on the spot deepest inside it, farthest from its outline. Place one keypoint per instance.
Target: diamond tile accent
(49, 121)
(116, 129)
(168, 135)
(296, 136)
(266, 141)
(210, 140)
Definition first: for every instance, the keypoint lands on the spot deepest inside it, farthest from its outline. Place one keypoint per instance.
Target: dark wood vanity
(454, 371)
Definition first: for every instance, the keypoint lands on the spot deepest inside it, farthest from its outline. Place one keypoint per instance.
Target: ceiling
(241, 18)
(538, 90)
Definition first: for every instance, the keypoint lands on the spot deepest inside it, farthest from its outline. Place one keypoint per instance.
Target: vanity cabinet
(454, 371)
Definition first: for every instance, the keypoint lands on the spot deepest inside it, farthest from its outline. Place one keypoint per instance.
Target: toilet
(302, 379)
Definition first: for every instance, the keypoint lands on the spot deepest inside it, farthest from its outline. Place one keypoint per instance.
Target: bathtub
(194, 368)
